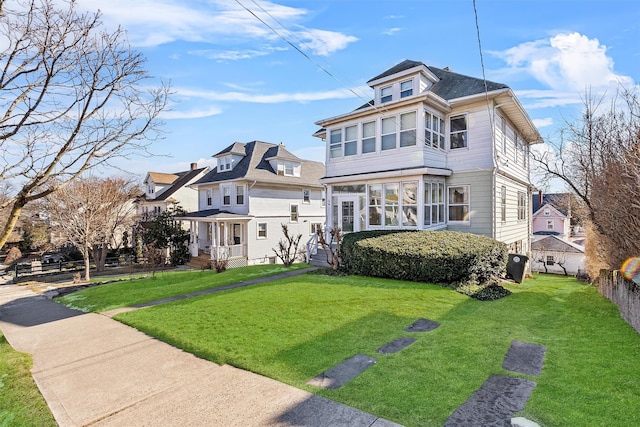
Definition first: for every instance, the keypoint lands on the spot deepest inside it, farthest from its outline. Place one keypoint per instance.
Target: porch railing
(231, 251)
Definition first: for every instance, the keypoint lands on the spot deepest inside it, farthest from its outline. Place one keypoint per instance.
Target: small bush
(444, 257)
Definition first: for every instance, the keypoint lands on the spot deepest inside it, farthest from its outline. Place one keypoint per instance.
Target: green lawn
(294, 329)
(21, 403)
(164, 285)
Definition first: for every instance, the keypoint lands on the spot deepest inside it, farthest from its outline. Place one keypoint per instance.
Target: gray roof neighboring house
(255, 166)
(555, 244)
(214, 214)
(183, 179)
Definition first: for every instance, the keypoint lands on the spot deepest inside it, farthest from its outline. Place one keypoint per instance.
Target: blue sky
(236, 79)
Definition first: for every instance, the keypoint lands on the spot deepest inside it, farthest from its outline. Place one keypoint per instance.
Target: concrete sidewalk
(93, 370)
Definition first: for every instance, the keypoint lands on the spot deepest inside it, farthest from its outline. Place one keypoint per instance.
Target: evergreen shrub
(444, 257)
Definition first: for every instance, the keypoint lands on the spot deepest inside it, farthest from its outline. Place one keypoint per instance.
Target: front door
(347, 214)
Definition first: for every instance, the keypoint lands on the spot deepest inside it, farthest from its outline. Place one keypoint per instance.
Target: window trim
(224, 190)
(394, 120)
(306, 196)
(403, 92)
(386, 98)
(258, 236)
(437, 137)
(294, 214)
(464, 132)
(239, 194)
(364, 139)
(314, 227)
(412, 130)
(503, 203)
(522, 206)
(450, 204)
(208, 197)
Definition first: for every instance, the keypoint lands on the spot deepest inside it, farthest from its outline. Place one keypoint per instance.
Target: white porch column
(193, 238)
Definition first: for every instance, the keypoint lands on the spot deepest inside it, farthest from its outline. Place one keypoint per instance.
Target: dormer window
(386, 94)
(406, 88)
(288, 169)
(225, 163)
(152, 188)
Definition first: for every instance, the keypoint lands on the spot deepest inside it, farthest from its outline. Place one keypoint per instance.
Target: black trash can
(515, 267)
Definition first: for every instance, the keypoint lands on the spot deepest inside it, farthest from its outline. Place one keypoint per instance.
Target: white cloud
(568, 64)
(195, 113)
(155, 22)
(391, 31)
(540, 123)
(324, 43)
(237, 96)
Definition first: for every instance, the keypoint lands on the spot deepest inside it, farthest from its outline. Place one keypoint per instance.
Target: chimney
(194, 166)
(540, 197)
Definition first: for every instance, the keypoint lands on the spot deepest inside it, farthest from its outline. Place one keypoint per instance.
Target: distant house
(552, 254)
(243, 202)
(163, 190)
(433, 150)
(551, 215)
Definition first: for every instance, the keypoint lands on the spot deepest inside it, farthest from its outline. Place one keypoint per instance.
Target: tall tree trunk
(87, 264)
(16, 210)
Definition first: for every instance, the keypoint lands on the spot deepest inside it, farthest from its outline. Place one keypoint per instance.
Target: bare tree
(599, 160)
(332, 246)
(287, 249)
(72, 97)
(89, 212)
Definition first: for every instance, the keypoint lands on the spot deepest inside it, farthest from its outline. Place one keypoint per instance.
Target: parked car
(52, 257)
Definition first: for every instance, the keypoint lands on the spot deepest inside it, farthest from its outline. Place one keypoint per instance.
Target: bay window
(433, 203)
(375, 204)
(409, 204)
(389, 133)
(433, 131)
(391, 204)
(369, 137)
(407, 129)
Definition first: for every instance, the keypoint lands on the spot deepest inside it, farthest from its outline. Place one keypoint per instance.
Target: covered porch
(219, 235)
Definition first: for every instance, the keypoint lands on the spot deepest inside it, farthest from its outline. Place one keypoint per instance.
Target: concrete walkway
(93, 370)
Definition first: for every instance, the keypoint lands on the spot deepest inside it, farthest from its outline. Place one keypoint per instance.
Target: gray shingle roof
(254, 166)
(450, 86)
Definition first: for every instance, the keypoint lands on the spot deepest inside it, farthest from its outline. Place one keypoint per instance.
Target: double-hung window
(293, 213)
(433, 203)
(459, 203)
(369, 137)
(389, 133)
(262, 230)
(306, 197)
(406, 88)
(209, 201)
(408, 129)
(239, 194)
(350, 143)
(386, 94)
(522, 205)
(458, 131)
(226, 196)
(335, 143)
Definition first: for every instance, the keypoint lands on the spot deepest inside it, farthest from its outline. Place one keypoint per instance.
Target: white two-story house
(164, 190)
(243, 202)
(433, 150)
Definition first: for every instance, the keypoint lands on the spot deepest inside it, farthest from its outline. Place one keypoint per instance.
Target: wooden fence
(624, 293)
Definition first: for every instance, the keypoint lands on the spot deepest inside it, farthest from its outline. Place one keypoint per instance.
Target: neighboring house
(255, 188)
(552, 254)
(551, 216)
(164, 190)
(434, 150)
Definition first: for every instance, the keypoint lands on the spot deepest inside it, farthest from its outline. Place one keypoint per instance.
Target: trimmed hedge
(444, 257)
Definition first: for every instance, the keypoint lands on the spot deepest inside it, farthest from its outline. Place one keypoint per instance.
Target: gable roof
(255, 166)
(550, 199)
(556, 244)
(163, 178)
(181, 179)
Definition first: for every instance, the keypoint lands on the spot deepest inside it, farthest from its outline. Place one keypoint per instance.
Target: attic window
(406, 88)
(547, 212)
(385, 94)
(225, 163)
(287, 169)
